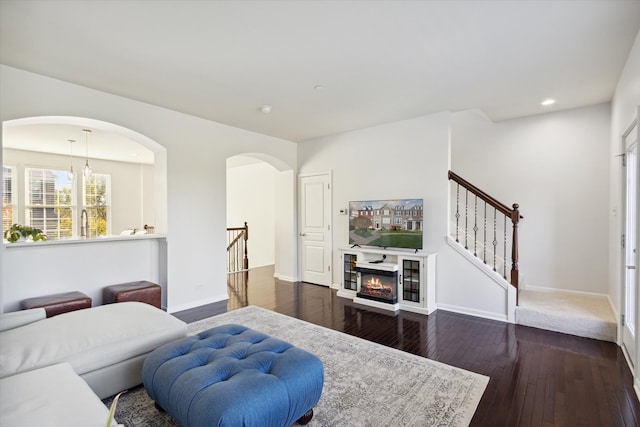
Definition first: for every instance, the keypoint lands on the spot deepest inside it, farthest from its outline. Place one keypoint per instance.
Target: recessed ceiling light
(266, 109)
(548, 102)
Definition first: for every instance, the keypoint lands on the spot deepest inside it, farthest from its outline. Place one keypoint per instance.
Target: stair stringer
(494, 276)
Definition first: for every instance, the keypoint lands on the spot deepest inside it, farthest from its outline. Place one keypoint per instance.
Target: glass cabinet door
(411, 280)
(350, 280)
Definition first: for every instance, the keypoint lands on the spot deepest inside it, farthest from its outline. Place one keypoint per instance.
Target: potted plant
(16, 231)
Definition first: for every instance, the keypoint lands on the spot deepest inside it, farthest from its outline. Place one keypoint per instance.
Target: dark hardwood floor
(537, 377)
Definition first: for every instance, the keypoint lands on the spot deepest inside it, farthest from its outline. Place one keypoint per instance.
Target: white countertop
(76, 241)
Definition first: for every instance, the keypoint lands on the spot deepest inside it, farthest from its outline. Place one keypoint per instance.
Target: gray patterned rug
(366, 384)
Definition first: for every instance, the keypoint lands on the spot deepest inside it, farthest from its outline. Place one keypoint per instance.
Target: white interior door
(315, 228)
(630, 258)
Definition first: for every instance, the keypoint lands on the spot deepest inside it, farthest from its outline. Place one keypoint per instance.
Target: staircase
(485, 231)
(486, 228)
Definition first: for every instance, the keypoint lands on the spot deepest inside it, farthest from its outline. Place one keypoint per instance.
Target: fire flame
(375, 284)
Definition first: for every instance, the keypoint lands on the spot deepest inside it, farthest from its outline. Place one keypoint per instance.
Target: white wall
(624, 109)
(35, 270)
(251, 197)
(286, 242)
(411, 158)
(197, 150)
(407, 159)
(556, 167)
(148, 200)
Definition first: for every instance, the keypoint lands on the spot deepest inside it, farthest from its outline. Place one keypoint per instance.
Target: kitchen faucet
(84, 224)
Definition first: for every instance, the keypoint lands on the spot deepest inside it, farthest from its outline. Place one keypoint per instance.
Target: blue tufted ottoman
(233, 376)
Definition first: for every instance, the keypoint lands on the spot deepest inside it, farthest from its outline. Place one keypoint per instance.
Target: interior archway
(109, 142)
(260, 191)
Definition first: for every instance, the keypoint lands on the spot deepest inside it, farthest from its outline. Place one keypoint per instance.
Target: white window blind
(96, 196)
(49, 202)
(9, 197)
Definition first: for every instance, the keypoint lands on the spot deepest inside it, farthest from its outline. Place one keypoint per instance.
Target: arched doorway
(260, 191)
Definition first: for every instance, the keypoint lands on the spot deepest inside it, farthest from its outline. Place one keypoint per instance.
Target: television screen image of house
(386, 223)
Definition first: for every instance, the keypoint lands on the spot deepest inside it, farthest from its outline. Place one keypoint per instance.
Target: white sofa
(52, 396)
(46, 360)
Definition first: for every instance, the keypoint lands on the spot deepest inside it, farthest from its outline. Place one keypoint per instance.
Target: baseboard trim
(564, 291)
(284, 278)
(194, 304)
(475, 313)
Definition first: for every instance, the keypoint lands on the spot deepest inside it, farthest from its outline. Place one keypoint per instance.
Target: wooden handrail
(512, 213)
(482, 195)
(235, 240)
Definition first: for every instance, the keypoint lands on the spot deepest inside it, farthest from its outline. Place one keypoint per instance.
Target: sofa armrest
(15, 319)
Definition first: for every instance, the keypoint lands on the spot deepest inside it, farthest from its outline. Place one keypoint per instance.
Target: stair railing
(237, 249)
(492, 211)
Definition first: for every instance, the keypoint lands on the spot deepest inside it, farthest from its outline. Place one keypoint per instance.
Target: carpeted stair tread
(587, 316)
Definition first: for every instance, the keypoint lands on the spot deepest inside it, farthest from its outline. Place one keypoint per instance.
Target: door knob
(303, 234)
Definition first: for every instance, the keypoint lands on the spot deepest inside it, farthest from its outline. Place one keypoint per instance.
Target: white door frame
(629, 138)
(300, 233)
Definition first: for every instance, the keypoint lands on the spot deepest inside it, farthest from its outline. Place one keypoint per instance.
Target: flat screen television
(386, 223)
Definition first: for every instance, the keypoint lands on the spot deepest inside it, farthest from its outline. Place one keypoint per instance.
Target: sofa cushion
(51, 396)
(20, 318)
(88, 339)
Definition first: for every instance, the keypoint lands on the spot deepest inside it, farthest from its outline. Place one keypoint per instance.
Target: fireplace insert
(378, 285)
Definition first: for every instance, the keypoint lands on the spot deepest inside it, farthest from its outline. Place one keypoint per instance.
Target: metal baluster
(495, 239)
(475, 227)
(457, 210)
(504, 262)
(484, 240)
(466, 218)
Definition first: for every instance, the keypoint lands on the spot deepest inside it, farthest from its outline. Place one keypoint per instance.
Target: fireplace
(378, 284)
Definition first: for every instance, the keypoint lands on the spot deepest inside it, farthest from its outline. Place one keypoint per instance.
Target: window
(9, 197)
(96, 196)
(49, 202)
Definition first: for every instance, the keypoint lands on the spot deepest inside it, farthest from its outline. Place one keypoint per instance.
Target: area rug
(366, 384)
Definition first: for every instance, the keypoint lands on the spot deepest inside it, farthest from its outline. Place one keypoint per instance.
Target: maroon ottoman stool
(59, 303)
(142, 291)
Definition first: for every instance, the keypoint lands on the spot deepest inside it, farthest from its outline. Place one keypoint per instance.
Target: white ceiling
(378, 61)
(54, 138)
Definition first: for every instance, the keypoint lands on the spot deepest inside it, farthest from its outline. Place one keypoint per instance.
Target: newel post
(515, 218)
(245, 261)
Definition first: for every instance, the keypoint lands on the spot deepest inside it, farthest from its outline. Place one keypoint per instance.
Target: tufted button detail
(219, 373)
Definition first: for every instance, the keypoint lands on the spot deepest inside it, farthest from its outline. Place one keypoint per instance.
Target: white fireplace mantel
(416, 287)
(382, 266)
